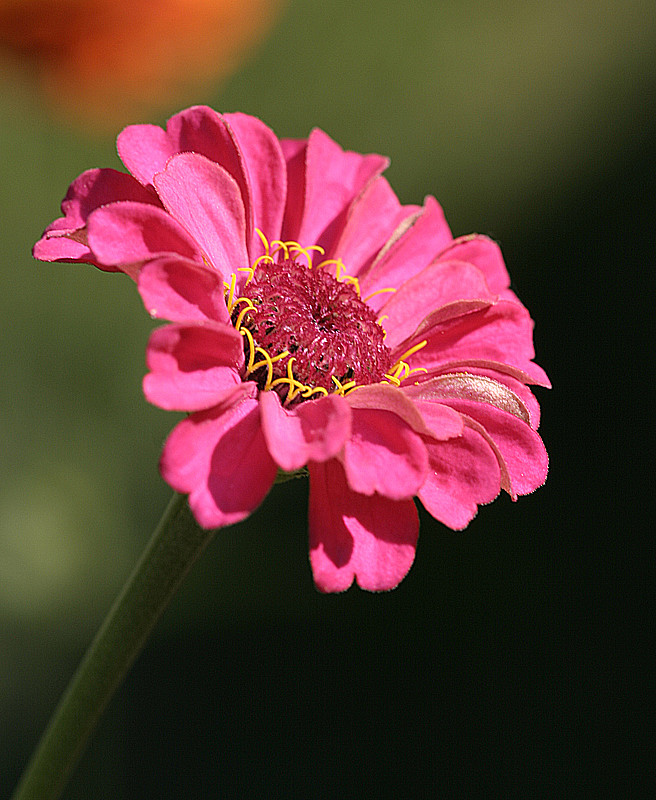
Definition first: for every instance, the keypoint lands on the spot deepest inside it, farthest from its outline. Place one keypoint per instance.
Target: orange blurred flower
(104, 59)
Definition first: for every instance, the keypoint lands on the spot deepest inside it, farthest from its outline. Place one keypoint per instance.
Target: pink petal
(501, 333)
(126, 234)
(372, 218)
(220, 458)
(313, 431)
(464, 473)
(333, 179)
(521, 448)
(193, 367)
(294, 152)
(483, 253)
(442, 422)
(371, 539)
(411, 248)
(266, 174)
(92, 189)
(384, 455)
(439, 284)
(145, 149)
(384, 397)
(182, 290)
(206, 200)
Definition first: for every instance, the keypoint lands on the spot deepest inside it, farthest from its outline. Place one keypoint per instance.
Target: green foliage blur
(529, 121)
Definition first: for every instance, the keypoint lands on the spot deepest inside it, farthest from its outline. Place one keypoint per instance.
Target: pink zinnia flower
(317, 325)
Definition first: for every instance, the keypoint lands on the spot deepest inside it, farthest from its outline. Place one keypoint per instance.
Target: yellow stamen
(373, 294)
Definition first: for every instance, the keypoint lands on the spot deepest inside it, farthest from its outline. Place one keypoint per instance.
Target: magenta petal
(439, 284)
(464, 473)
(220, 458)
(384, 455)
(500, 333)
(206, 200)
(484, 254)
(193, 366)
(522, 450)
(443, 422)
(411, 248)
(333, 179)
(372, 218)
(371, 539)
(125, 234)
(92, 189)
(145, 149)
(266, 175)
(313, 431)
(182, 290)
(294, 151)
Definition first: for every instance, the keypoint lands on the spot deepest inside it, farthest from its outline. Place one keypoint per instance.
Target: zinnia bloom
(104, 59)
(316, 325)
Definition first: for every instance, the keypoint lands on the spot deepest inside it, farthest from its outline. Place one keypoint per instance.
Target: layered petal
(182, 290)
(127, 234)
(333, 179)
(313, 431)
(440, 284)
(483, 253)
(206, 200)
(385, 453)
(371, 220)
(369, 539)
(193, 367)
(522, 455)
(502, 332)
(265, 176)
(65, 238)
(464, 473)
(415, 243)
(220, 458)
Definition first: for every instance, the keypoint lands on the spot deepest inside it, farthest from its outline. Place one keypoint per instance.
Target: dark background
(512, 661)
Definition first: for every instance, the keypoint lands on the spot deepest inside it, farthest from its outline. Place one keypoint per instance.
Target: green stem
(173, 548)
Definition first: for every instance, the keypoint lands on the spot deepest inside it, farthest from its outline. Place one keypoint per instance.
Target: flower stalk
(170, 553)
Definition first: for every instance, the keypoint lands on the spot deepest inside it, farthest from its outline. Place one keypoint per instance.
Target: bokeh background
(512, 661)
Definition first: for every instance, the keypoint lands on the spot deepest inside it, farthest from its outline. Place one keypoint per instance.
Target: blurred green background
(512, 659)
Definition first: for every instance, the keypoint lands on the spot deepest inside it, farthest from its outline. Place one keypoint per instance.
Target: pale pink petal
(518, 388)
(384, 455)
(385, 397)
(181, 290)
(439, 284)
(220, 458)
(483, 253)
(266, 174)
(126, 234)
(372, 218)
(371, 539)
(521, 448)
(487, 366)
(92, 189)
(470, 387)
(193, 367)
(206, 200)
(333, 179)
(502, 332)
(464, 473)
(411, 248)
(312, 431)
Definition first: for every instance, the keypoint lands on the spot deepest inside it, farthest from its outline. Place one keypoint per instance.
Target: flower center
(306, 332)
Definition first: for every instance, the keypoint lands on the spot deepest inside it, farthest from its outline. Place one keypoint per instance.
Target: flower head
(316, 324)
